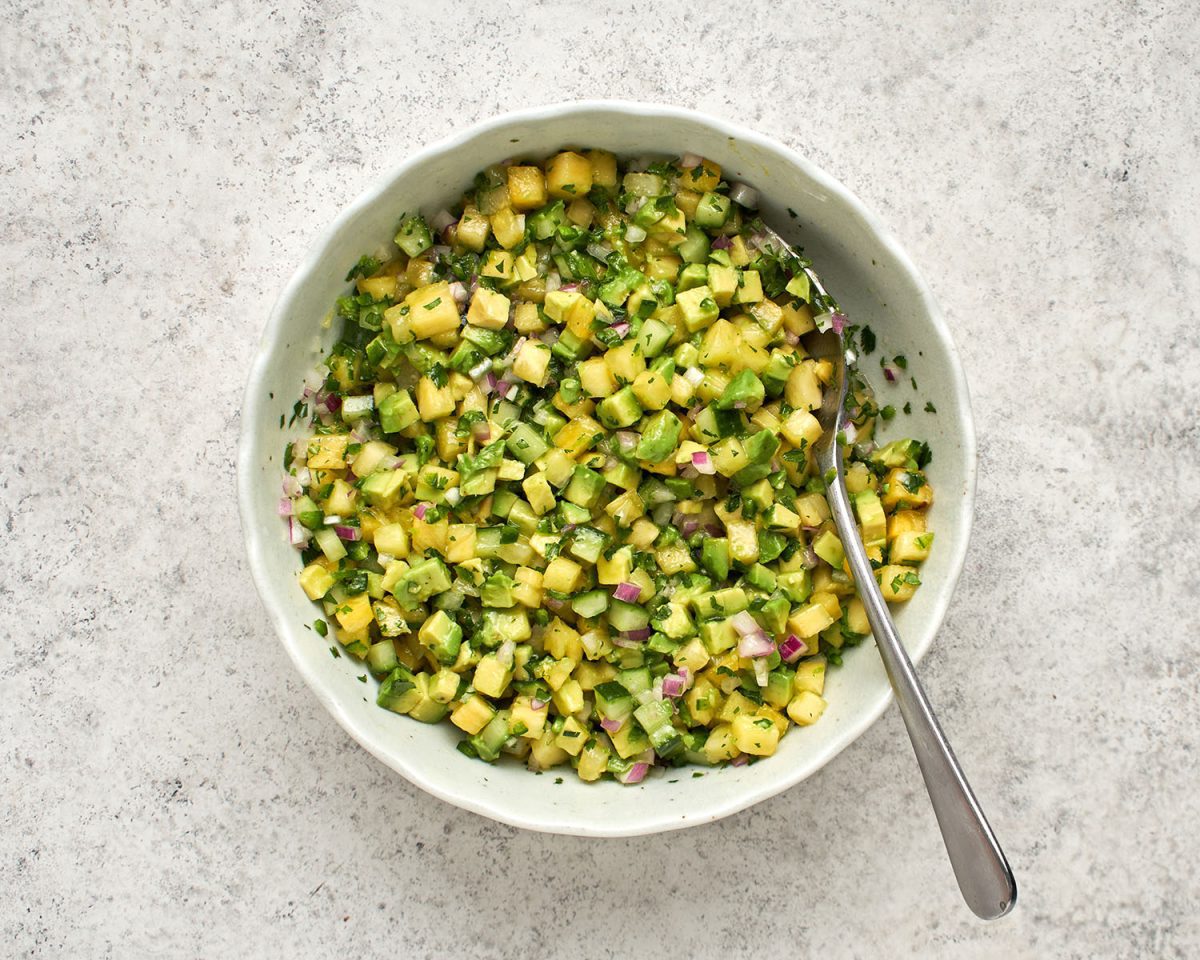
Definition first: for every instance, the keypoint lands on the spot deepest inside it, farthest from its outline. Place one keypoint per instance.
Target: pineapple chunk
(757, 736)
(472, 229)
(538, 493)
(355, 612)
(897, 582)
(431, 310)
(315, 581)
(596, 378)
(562, 574)
(568, 175)
(532, 363)
(433, 402)
(526, 318)
(526, 187)
(488, 309)
(508, 227)
(806, 708)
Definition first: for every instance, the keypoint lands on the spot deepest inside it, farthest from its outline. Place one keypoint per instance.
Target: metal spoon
(983, 873)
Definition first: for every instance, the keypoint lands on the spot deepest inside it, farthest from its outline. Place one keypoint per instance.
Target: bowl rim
(254, 533)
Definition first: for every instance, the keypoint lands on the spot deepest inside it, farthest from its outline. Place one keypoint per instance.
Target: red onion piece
(569, 287)
(745, 624)
(296, 532)
(620, 329)
(755, 645)
(740, 760)
(347, 533)
(627, 440)
(635, 774)
(792, 649)
(285, 507)
(292, 486)
(743, 196)
(612, 726)
(722, 243)
(889, 373)
(703, 463)
(481, 430)
(419, 510)
(638, 636)
(673, 686)
(441, 220)
(536, 704)
(689, 161)
(459, 292)
(838, 321)
(627, 592)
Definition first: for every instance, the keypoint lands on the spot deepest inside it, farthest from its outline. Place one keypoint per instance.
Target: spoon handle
(983, 873)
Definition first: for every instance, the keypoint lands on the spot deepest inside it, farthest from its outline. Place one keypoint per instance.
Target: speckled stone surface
(169, 788)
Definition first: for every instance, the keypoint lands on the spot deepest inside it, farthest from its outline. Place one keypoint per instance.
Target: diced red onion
(688, 526)
(850, 431)
(502, 388)
(635, 774)
(627, 592)
(459, 292)
(810, 558)
(505, 652)
(552, 603)
(569, 287)
(838, 322)
(620, 329)
(536, 704)
(762, 676)
(627, 440)
(487, 384)
(481, 430)
(743, 196)
(611, 726)
(361, 432)
(347, 533)
(792, 649)
(889, 373)
(441, 220)
(722, 243)
(791, 338)
(440, 250)
(690, 161)
(745, 624)
(331, 520)
(296, 532)
(291, 486)
(755, 645)
(621, 640)
(638, 636)
(703, 463)
(453, 496)
(634, 205)
(285, 507)
(673, 686)
(304, 475)
(684, 674)
(740, 760)
(567, 528)
(419, 510)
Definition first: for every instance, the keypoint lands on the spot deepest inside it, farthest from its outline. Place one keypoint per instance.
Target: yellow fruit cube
(569, 697)
(472, 715)
(749, 287)
(328, 452)
(431, 310)
(392, 539)
(355, 612)
(460, 542)
(488, 309)
(596, 378)
(568, 175)
(508, 226)
(910, 547)
(315, 580)
(528, 591)
(535, 720)
(472, 229)
(572, 737)
(809, 620)
(626, 361)
(491, 676)
(720, 744)
(499, 264)
(803, 389)
(604, 168)
(532, 362)
(904, 521)
(562, 574)
(526, 318)
(797, 318)
(433, 402)
(756, 736)
(810, 675)
(578, 436)
(897, 493)
(801, 429)
(897, 582)
(806, 708)
(721, 344)
(538, 493)
(526, 187)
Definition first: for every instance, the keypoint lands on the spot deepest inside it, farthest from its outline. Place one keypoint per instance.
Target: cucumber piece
(627, 617)
(590, 604)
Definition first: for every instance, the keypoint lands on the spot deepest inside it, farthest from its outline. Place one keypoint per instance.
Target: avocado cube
(744, 392)
(714, 556)
(698, 307)
(382, 488)
(620, 410)
(397, 412)
(659, 438)
(441, 636)
(585, 487)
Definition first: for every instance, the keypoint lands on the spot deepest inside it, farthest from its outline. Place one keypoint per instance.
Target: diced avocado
(660, 437)
(382, 487)
(797, 585)
(500, 626)
(760, 494)
(721, 603)
(613, 701)
(623, 475)
(778, 691)
(572, 513)
(744, 392)
(776, 374)
(569, 346)
(545, 222)
(718, 636)
(760, 447)
(398, 692)
(871, 516)
(620, 410)
(488, 742)
(761, 577)
(497, 591)
(427, 709)
(585, 487)
(441, 636)
(829, 548)
(712, 211)
(422, 581)
(526, 443)
(770, 545)
(897, 453)
(630, 740)
(676, 624)
(678, 487)
(773, 614)
(477, 483)
(397, 412)
(502, 502)
(714, 556)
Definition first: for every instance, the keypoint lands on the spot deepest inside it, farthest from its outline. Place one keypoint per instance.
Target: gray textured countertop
(171, 788)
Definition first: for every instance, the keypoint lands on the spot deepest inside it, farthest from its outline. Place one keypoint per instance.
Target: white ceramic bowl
(862, 265)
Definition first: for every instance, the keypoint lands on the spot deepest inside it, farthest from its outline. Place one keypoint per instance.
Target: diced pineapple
(743, 541)
(806, 708)
(526, 318)
(538, 493)
(354, 613)
(568, 175)
(315, 580)
(472, 715)
(898, 583)
(433, 402)
(905, 521)
(720, 744)
(328, 452)
(626, 361)
(460, 542)
(528, 591)
(532, 363)
(596, 378)
(801, 429)
(499, 264)
(560, 640)
(472, 229)
(604, 168)
(488, 309)
(431, 310)
(562, 575)
(720, 344)
(809, 620)
(749, 286)
(526, 187)
(578, 436)
(797, 318)
(572, 737)
(803, 389)
(757, 736)
(897, 494)
(392, 539)
(508, 226)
